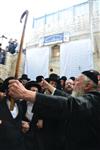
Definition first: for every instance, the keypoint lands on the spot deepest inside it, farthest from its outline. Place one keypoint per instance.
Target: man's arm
(53, 90)
(57, 107)
(46, 106)
(53, 107)
(60, 93)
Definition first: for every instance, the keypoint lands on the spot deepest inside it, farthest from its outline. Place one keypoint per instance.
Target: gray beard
(77, 93)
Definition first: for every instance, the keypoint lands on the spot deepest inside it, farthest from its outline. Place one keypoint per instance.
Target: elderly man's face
(79, 87)
(79, 81)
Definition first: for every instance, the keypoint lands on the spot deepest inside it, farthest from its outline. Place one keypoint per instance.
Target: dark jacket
(33, 137)
(10, 129)
(82, 116)
(50, 137)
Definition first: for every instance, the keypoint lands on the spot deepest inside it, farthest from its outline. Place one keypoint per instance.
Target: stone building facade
(78, 22)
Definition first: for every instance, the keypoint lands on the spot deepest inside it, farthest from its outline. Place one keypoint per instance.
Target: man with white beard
(81, 111)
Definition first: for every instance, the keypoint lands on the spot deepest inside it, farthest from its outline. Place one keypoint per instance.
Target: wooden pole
(25, 13)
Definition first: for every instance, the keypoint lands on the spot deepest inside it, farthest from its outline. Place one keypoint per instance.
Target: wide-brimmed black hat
(72, 78)
(63, 78)
(24, 77)
(53, 77)
(39, 78)
(33, 84)
(92, 74)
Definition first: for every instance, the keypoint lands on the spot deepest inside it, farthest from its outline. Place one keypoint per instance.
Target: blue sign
(53, 38)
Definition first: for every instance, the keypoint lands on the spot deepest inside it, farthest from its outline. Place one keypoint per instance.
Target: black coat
(11, 137)
(29, 135)
(81, 114)
(50, 137)
(35, 137)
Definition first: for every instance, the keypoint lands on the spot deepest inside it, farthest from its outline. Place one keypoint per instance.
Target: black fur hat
(92, 74)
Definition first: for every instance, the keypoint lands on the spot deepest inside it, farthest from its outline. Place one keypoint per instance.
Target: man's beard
(77, 93)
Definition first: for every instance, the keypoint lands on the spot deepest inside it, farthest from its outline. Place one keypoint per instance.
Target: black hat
(39, 78)
(33, 84)
(24, 77)
(72, 78)
(53, 77)
(92, 74)
(63, 78)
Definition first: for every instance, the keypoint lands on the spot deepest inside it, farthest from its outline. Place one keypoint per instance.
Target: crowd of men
(53, 113)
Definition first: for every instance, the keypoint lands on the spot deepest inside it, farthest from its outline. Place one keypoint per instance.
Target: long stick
(25, 13)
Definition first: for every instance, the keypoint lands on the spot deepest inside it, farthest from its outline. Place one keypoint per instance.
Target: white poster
(37, 62)
(75, 57)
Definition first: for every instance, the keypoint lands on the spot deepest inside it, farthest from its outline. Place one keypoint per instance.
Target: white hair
(81, 91)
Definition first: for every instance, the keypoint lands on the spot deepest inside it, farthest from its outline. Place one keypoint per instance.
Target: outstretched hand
(18, 91)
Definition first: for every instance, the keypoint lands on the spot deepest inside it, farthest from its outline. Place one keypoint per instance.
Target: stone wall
(8, 69)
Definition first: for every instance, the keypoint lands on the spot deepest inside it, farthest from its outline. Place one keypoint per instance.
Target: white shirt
(14, 112)
(29, 113)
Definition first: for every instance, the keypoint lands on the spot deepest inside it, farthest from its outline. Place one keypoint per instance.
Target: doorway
(54, 64)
